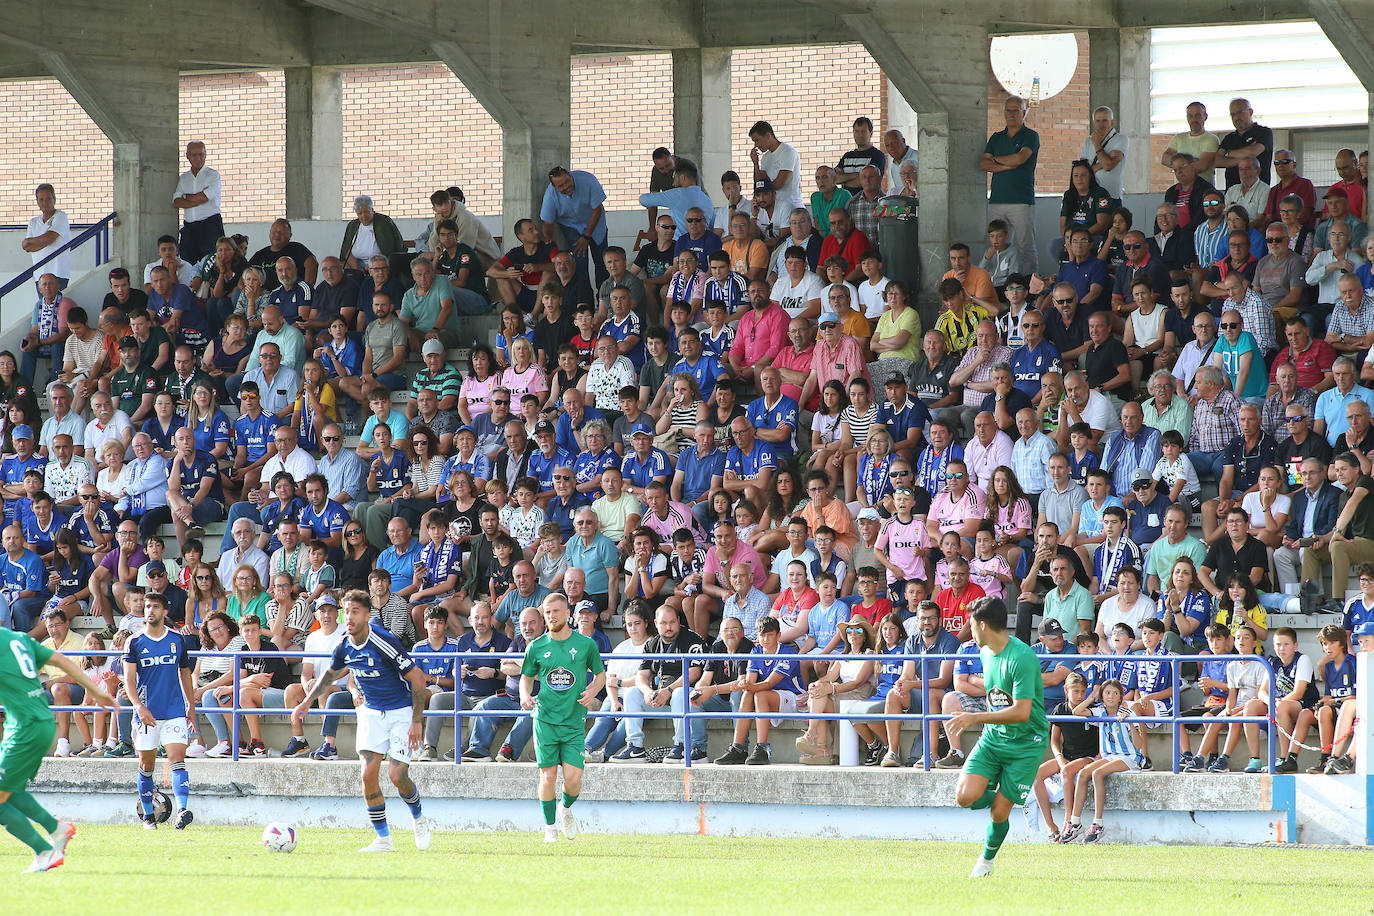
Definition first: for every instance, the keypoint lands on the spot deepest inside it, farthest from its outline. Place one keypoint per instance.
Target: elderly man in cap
(547, 455)
(443, 379)
(836, 357)
(644, 464)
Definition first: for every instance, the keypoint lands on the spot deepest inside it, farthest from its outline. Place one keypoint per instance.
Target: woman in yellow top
(896, 342)
(316, 407)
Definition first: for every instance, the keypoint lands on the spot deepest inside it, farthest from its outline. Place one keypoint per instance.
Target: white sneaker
(982, 868)
(422, 827)
(196, 749)
(61, 836)
(550, 833)
(64, 749)
(44, 861)
(567, 823)
(219, 750)
(380, 844)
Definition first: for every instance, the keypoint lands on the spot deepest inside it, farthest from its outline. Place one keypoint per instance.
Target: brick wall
(241, 117)
(48, 137)
(622, 110)
(409, 130)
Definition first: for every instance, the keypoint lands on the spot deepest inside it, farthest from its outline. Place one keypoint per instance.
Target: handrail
(100, 231)
(925, 718)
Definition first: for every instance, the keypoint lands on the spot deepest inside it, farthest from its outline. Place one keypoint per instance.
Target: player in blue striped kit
(389, 719)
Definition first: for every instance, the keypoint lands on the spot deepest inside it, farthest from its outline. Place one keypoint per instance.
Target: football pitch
(129, 870)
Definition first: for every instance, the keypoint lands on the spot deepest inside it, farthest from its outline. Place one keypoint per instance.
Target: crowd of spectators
(737, 436)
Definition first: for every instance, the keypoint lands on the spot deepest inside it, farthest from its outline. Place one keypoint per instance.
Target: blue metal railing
(98, 231)
(1175, 721)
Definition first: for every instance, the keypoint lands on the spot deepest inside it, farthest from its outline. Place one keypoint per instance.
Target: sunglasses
(850, 631)
(494, 401)
(1298, 419)
(1284, 161)
(330, 438)
(1064, 301)
(895, 474)
(1031, 324)
(90, 499)
(205, 578)
(1227, 325)
(1211, 203)
(696, 219)
(1274, 239)
(246, 396)
(954, 475)
(1140, 486)
(354, 533)
(1133, 246)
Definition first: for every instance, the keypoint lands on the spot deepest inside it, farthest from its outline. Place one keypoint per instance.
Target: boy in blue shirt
(1153, 683)
(1212, 680)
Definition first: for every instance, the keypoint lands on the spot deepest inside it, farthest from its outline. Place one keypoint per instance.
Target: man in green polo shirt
(133, 385)
(1010, 157)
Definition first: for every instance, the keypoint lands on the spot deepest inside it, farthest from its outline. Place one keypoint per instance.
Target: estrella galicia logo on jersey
(560, 679)
(998, 698)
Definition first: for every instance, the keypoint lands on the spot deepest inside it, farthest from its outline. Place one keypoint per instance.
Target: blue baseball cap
(829, 318)
(1365, 629)
(23, 431)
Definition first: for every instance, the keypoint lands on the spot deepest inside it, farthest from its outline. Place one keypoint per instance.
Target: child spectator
(1344, 763)
(1082, 458)
(1177, 473)
(550, 560)
(1212, 680)
(1295, 683)
(1338, 689)
(988, 569)
(1246, 682)
(1000, 260)
(685, 566)
(523, 519)
(1152, 683)
(1072, 747)
(1118, 754)
(320, 576)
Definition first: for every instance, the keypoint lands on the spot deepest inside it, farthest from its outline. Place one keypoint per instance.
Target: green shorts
(554, 745)
(22, 752)
(1011, 770)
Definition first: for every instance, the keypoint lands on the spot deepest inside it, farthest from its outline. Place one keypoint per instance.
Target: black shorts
(1196, 711)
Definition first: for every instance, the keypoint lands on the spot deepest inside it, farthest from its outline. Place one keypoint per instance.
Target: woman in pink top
(960, 507)
(524, 376)
(793, 605)
(475, 396)
(1010, 513)
(903, 544)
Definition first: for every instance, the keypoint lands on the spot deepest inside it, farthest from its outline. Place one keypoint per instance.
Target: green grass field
(126, 869)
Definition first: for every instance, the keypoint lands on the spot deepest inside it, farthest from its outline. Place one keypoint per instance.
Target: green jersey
(21, 658)
(1015, 675)
(128, 388)
(562, 668)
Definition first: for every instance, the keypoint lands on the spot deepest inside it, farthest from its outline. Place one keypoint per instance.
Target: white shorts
(1129, 759)
(386, 733)
(162, 733)
(789, 702)
(1163, 710)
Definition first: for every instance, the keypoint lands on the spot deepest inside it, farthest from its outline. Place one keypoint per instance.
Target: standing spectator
(1105, 149)
(198, 195)
(899, 154)
(49, 231)
(864, 154)
(1248, 139)
(366, 236)
(779, 163)
(575, 203)
(1010, 157)
(865, 201)
(685, 193)
(1196, 141)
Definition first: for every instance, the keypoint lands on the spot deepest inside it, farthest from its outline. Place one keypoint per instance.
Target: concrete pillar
(534, 114)
(701, 110)
(1119, 77)
(941, 68)
(134, 102)
(900, 116)
(314, 143)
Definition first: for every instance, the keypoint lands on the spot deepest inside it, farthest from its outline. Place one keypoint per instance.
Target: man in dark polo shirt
(1065, 325)
(1105, 361)
(930, 376)
(336, 292)
(1237, 551)
(1300, 445)
(1138, 258)
(1248, 139)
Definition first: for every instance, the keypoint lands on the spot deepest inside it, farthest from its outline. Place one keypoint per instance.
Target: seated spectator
(1330, 264)
(770, 686)
(531, 625)
(1311, 523)
(1338, 210)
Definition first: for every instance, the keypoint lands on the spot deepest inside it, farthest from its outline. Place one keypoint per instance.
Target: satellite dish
(1035, 67)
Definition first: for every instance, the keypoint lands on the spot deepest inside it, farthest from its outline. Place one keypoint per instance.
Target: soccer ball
(279, 837)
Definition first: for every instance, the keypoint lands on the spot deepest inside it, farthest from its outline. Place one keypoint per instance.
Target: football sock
(997, 832)
(568, 800)
(985, 800)
(1076, 821)
(145, 792)
(18, 826)
(377, 815)
(412, 802)
(550, 810)
(1097, 822)
(181, 784)
(30, 808)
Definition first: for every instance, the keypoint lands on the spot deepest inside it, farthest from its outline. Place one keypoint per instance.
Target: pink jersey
(951, 516)
(905, 546)
(981, 572)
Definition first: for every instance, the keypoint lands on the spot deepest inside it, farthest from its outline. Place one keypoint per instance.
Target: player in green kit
(1001, 769)
(570, 674)
(29, 732)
